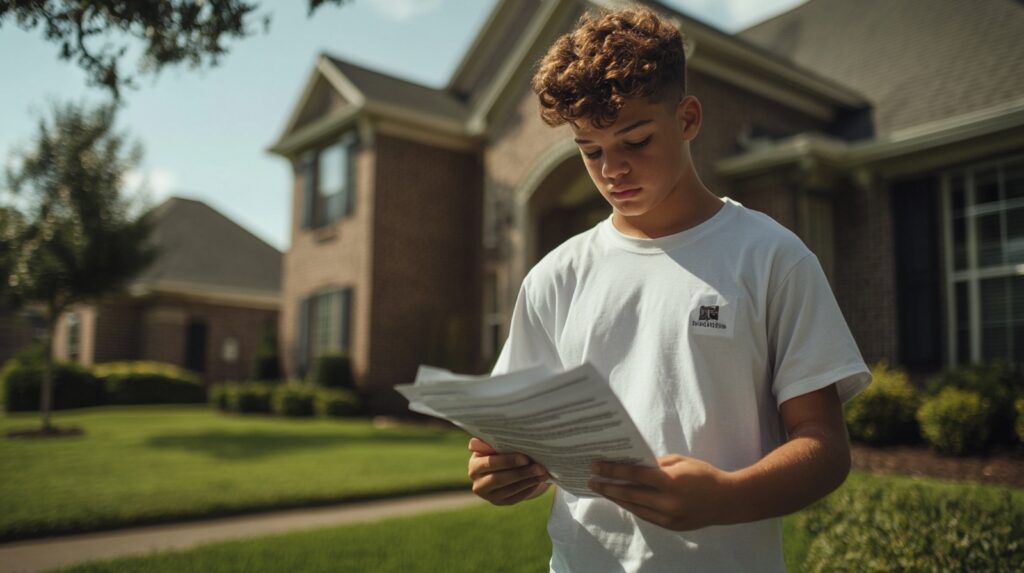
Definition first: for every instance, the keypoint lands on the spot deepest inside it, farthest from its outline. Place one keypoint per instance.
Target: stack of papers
(564, 421)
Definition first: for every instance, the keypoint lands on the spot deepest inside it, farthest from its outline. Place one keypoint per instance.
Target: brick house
(213, 291)
(889, 136)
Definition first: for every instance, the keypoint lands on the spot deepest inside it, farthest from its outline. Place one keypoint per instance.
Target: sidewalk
(45, 554)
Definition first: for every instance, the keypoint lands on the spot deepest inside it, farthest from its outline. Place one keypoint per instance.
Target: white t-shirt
(701, 334)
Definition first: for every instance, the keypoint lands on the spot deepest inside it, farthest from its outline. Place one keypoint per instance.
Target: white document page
(564, 421)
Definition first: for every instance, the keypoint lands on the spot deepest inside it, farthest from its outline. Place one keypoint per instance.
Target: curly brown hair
(590, 72)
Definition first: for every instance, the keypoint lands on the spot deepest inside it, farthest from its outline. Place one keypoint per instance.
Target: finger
(483, 465)
(645, 513)
(642, 475)
(516, 491)
(528, 493)
(489, 483)
(480, 446)
(642, 496)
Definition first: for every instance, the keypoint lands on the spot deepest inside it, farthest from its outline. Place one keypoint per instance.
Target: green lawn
(146, 464)
(484, 538)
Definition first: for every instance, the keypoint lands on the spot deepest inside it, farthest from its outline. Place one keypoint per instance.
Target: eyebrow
(630, 127)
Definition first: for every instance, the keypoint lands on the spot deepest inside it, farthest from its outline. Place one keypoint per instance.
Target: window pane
(1015, 236)
(957, 193)
(995, 318)
(333, 169)
(986, 186)
(990, 239)
(959, 243)
(1013, 180)
(963, 325)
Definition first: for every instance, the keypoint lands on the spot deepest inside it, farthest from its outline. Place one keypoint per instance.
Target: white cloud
(401, 10)
(152, 186)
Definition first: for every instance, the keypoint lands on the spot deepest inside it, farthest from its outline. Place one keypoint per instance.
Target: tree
(70, 235)
(172, 31)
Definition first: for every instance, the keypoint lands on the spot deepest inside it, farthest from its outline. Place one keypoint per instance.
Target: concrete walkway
(45, 554)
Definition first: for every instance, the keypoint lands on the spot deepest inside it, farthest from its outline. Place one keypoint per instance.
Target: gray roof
(382, 88)
(202, 247)
(915, 60)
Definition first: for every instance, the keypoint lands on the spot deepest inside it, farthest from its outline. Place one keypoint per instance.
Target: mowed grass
(150, 464)
(484, 538)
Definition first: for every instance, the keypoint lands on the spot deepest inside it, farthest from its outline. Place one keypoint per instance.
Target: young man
(715, 326)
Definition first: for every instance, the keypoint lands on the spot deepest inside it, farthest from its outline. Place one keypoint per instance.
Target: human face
(641, 160)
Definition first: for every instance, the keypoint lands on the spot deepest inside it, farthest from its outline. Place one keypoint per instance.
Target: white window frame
(972, 275)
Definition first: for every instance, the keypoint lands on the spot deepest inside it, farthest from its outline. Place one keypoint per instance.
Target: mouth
(625, 193)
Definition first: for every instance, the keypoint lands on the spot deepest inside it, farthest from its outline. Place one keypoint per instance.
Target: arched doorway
(563, 205)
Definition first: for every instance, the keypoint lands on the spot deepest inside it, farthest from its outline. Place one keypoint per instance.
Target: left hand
(681, 494)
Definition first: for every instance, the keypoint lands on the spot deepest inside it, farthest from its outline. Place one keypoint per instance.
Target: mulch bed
(1002, 465)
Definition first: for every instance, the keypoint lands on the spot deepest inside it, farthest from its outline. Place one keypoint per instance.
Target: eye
(639, 144)
(592, 154)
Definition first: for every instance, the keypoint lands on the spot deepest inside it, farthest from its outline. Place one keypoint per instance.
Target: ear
(689, 117)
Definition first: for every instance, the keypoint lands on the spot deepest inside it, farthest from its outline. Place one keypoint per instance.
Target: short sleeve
(528, 343)
(808, 338)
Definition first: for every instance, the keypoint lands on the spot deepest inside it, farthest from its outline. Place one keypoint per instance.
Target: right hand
(504, 479)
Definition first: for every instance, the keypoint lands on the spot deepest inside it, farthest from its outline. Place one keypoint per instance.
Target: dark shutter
(308, 191)
(345, 296)
(350, 175)
(302, 347)
(917, 235)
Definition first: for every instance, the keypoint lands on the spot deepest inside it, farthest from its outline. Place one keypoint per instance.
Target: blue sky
(205, 131)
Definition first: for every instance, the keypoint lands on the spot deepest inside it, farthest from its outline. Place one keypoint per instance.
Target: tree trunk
(46, 388)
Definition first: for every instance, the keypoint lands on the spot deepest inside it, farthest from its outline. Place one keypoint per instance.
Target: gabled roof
(203, 250)
(917, 61)
(381, 88)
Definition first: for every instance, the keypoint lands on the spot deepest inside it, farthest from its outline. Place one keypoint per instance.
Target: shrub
(336, 403)
(218, 396)
(1019, 406)
(332, 371)
(898, 526)
(268, 364)
(73, 386)
(884, 412)
(249, 398)
(294, 400)
(999, 383)
(150, 383)
(955, 421)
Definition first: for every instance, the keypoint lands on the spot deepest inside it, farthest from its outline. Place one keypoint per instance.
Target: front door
(195, 346)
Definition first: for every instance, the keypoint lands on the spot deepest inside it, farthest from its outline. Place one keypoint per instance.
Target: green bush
(955, 421)
(150, 383)
(249, 398)
(73, 386)
(332, 371)
(336, 403)
(268, 364)
(1019, 406)
(294, 400)
(893, 526)
(218, 396)
(884, 412)
(998, 383)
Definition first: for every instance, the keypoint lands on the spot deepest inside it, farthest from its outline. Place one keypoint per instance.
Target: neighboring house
(887, 135)
(204, 304)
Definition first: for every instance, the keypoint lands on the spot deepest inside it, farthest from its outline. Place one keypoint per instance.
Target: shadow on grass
(251, 445)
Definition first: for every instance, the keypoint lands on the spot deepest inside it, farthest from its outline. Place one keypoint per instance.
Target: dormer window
(329, 183)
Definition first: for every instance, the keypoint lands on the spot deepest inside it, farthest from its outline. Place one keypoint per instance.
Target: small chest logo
(709, 312)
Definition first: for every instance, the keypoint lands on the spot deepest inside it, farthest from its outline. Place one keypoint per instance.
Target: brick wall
(426, 277)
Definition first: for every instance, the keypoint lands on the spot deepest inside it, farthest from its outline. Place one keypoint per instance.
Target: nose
(614, 166)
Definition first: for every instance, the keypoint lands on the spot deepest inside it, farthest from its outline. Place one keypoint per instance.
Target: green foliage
(150, 383)
(884, 412)
(1019, 406)
(293, 400)
(74, 386)
(336, 403)
(999, 383)
(885, 525)
(955, 421)
(249, 398)
(217, 395)
(268, 364)
(332, 371)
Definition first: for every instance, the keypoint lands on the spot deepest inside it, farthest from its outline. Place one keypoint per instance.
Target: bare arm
(686, 493)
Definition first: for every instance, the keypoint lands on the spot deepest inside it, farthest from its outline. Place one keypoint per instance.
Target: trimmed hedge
(884, 412)
(250, 398)
(336, 403)
(955, 421)
(902, 526)
(332, 371)
(293, 400)
(150, 383)
(999, 383)
(73, 386)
